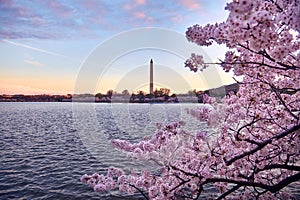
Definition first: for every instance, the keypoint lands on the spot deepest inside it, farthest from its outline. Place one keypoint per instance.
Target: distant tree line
(160, 95)
(35, 98)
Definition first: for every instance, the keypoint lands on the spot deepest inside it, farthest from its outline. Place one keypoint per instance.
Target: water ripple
(44, 150)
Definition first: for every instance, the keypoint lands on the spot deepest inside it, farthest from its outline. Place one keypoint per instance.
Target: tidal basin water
(46, 147)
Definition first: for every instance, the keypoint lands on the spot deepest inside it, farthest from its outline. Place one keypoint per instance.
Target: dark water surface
(46, 147)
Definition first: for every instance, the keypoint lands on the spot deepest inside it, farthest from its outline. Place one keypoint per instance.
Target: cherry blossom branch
(271, 188)
(266, 55)
(256, 151)
(139, 190)
(240, 183)
(287, 67)
(185, 172)
(279, 166)
(245, 126)
(180, 184)
(228, 192)
(262, 145)
(277, 93)
(283, 102)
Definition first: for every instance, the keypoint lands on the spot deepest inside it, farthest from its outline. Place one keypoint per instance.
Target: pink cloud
(177, 18)
(7, 2)
(37, 21)
(140, 15)
(94, 6)
(191, 4)
(143, 16)
(140, 2)
(60, 9)
(127, 7)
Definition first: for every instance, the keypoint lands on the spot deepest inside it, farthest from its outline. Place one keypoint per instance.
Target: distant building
(232, 88)
(219, 92)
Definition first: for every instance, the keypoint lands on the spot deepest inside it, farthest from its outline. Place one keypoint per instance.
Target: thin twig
(140, 191)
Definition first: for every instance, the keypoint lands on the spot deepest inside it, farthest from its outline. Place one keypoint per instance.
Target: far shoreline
(158, 97)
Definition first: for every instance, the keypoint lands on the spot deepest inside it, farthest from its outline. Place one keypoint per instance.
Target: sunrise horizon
(55, 39)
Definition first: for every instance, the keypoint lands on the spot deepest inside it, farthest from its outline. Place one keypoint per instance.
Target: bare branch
(140, 191)
(271, 188)
(283, 103)
(262, 145)
(229, 192)
(280, 166)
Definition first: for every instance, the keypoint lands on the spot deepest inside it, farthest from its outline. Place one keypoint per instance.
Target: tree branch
(271, 188)
(140, 191)
(283, 103)
(229, 192)
(285, 182)
(280, 166)
(262, 145)
(182, 183)
(266, 55)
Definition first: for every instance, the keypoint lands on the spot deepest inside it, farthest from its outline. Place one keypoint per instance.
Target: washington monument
(151, 77)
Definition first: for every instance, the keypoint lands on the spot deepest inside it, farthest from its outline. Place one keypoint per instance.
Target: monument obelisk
(151, 76)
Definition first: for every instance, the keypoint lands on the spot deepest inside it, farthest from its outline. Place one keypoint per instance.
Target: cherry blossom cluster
(194, 62)
(251, 150)
(169, 148)
(257, 25)
(102, 183)
(262, 119)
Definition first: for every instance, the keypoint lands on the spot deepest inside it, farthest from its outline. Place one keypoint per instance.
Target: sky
(77, 46)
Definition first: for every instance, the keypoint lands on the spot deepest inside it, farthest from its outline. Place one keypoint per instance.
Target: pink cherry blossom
(249, 145)
(100, 188)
